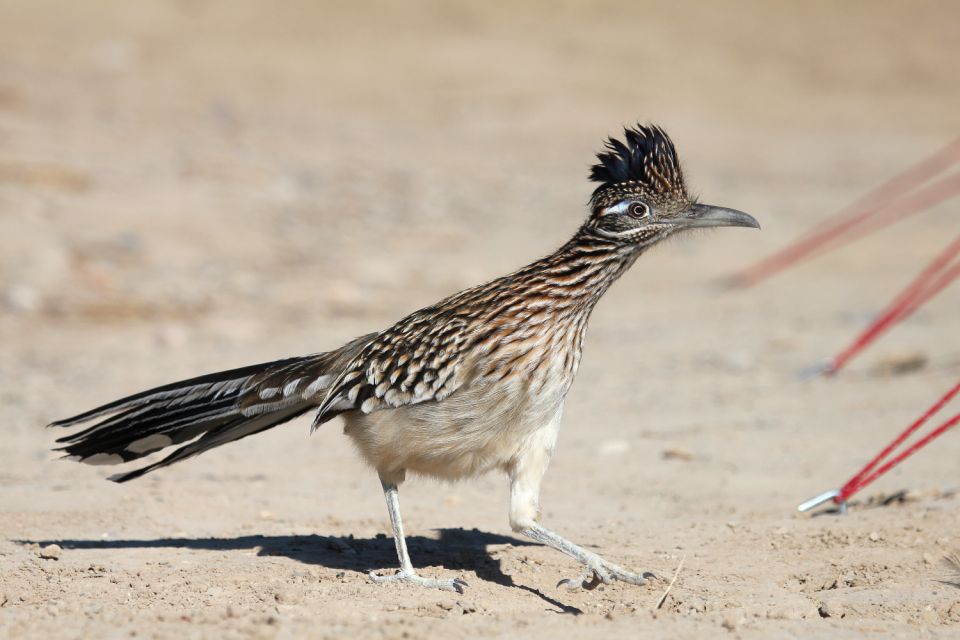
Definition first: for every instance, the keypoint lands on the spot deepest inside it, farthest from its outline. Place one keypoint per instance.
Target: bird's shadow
(454, 549)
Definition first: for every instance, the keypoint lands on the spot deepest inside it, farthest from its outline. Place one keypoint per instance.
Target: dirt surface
(191, 186)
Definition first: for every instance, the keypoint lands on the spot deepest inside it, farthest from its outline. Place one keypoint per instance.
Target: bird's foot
(410, 577)
(599, 572)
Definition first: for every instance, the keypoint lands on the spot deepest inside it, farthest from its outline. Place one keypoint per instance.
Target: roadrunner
(471, 384)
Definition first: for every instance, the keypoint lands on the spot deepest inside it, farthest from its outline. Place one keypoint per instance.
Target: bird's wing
(417, 360)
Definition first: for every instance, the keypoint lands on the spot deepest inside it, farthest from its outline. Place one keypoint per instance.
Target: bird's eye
(638, 210)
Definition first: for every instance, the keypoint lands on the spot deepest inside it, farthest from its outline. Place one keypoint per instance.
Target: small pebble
(676, 454)
(51, 552)
(287, 596)
(832, 609)
(899, 363)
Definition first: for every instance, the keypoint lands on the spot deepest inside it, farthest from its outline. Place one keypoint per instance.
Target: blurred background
(187, 186)
(171, 161)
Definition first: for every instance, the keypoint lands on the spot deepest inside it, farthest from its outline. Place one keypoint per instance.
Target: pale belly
(475, 430)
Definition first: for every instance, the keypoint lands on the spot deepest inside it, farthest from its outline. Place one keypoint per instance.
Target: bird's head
(642, 198)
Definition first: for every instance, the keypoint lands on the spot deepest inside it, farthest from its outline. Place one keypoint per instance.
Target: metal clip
(817, 369)
(826, 496)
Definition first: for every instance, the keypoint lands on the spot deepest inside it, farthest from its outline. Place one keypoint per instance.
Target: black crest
(646, 160)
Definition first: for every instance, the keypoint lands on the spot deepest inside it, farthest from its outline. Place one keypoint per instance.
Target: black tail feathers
(204, 412)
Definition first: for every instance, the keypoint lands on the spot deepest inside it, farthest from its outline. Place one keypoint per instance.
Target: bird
(472, 384)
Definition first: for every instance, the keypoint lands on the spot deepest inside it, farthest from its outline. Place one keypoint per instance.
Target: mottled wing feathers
(417, 360)
(303, 380)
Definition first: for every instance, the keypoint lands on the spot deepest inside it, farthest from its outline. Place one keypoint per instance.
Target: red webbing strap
(844, 494)
(862, 479)
(908, 204)
(932, 280)
(849, 218)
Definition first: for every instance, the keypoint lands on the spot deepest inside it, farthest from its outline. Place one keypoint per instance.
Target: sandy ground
(190, 186)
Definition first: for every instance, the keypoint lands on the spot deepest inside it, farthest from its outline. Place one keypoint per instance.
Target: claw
(638, 579)
(588, 580)
(593, 577)
(572, 584)
(595, 581)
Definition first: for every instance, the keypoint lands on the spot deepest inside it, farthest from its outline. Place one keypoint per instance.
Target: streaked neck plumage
(576, 275)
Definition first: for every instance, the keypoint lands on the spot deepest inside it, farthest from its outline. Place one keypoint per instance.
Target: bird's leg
(407, 573)
(525, 478)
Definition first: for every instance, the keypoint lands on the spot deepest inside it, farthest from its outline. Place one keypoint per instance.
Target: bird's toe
(454, 584)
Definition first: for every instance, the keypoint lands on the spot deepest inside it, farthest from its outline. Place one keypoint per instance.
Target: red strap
(935, 287)
(904, 206)
(844, 494)
(861, 479)
(851, 217)
(934, 278)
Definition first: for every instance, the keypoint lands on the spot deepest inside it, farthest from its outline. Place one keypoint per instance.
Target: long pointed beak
(705, 215)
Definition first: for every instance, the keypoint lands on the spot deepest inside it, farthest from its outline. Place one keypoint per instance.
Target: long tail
(203, 412)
